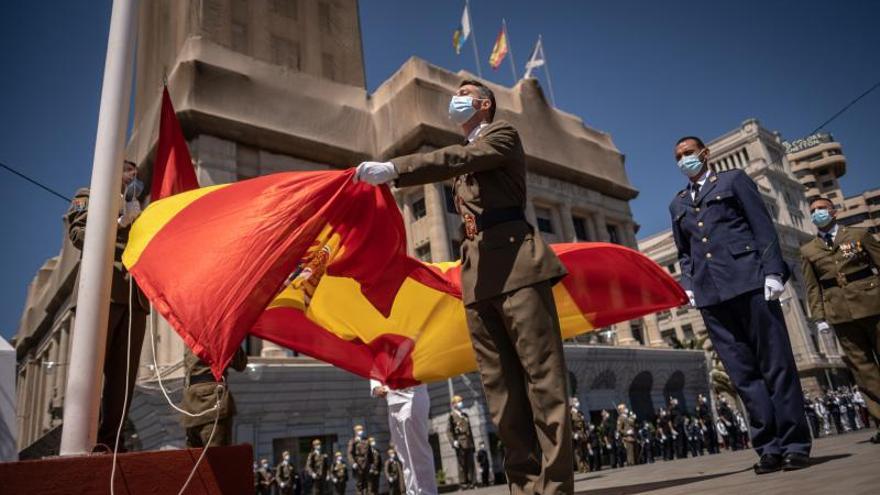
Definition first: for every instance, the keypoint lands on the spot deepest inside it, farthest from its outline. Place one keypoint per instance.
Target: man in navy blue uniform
(733, 271)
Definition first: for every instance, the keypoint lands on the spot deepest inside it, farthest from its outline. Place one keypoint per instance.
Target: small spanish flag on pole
(499, 51)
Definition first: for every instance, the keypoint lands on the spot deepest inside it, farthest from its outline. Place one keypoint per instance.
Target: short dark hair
(689, 138)
(822, 198)
(485, 92)
(128, 162)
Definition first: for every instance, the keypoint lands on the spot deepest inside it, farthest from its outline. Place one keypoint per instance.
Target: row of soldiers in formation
(843, 409)
(323, 474)
(673, 434)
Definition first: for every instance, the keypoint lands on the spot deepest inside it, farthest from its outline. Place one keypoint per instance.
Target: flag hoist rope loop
(221, 392)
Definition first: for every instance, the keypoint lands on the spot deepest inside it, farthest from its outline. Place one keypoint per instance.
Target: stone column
(272, 350)
(215, 160)
(403, 203)
(436, 205)
(624, 334)
(601, 228)
(592, 231)
(531, 216)
(652, 331)
(567, 221)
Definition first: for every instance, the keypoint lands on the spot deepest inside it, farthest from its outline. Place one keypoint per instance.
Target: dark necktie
(696, 188)
(829, 239)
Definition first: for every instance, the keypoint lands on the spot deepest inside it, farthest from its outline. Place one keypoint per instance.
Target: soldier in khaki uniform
(317, 467)
(339, 475)
(200, 393)
(626, 428)
(127, 306)
(360, 458)
(843, 288)
(374, 472)
(394, 473)
(579, 436)
(285, 475)
(462, 439)
(507, 274)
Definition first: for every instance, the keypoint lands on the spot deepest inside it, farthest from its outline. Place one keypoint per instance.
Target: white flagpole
(87, 352)
(509, 51)
(474, 39)
(547, 71)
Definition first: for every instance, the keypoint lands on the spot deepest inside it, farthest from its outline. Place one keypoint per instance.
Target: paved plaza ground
(843, 465)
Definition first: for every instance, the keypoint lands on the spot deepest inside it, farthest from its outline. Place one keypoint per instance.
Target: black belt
(828, 283)
(491, 218)
(208, 378)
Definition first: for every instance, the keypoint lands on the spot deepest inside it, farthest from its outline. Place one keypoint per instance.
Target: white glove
(690, 295)
(823, 326)
(455, 444)
(773, 287)
(130, 211)
(375, 173)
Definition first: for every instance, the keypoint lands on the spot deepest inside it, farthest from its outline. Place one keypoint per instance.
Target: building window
(449, 196)
(636, 329)
(687, 331)
(455, 248)
(418, 209)
(832, 195)
(240, 37)
(668, 335)
(328, 66)
(286, 8)
(325, 17)
(285, 52)
(613, 235)
(828, 183)
(580, 228)
(671, 268)
(423, 252)
(545, 220)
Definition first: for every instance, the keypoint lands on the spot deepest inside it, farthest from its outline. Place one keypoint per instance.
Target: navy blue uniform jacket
(725, 237)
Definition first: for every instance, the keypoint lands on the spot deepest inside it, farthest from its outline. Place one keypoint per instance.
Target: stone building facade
(761, 154)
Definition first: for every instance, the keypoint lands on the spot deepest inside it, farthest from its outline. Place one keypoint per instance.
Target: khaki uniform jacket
(578, 425)
(202, 396)
(490, 174)
(317, 465)
(854, 250)
(460, 429)
(394, 475)
(360, 456)
(75, 219)
(340, 473)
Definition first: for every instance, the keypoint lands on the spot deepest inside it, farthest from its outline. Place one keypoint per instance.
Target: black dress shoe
(875, 438)
(768, 463)
(793, 461)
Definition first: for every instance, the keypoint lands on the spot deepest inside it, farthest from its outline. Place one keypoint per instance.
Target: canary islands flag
(464, 30)
(318, 264)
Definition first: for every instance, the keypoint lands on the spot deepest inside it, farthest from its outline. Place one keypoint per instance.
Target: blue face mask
(821, 217)
(461, 109)
(134, 189)
(690, 165)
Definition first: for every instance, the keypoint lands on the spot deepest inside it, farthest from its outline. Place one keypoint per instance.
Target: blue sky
(647, 72)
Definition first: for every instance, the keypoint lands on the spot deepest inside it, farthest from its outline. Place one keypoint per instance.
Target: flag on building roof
(277, 256)
(173, 170)
(536, 60)
(499, 51)
(464, 30)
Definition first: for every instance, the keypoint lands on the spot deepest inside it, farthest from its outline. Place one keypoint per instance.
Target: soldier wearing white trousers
(408, 421)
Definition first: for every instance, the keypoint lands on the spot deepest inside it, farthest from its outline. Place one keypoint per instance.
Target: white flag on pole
(537, 58)
(465, 24)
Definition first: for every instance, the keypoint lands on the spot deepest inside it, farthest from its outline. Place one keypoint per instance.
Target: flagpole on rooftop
(509, 51)
(547, 71)
(87, 353)
(474, 39)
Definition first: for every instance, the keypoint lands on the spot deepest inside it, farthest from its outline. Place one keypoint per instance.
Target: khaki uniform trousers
(518, 346)
(860, 340)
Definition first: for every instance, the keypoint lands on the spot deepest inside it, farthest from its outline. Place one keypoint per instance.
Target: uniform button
(717, 197)
(699, 224)
(748, 247)
(512, 239)
(708, 255)
(705, 239)
(697, 209)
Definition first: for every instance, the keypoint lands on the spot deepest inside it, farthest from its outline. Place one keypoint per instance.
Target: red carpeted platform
(224, 470)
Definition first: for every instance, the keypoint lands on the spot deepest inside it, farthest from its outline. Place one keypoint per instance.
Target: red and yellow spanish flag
(318, 264)
(499, 51)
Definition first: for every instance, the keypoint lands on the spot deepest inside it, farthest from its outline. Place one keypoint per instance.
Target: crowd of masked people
(837, 411)
(673, 433)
